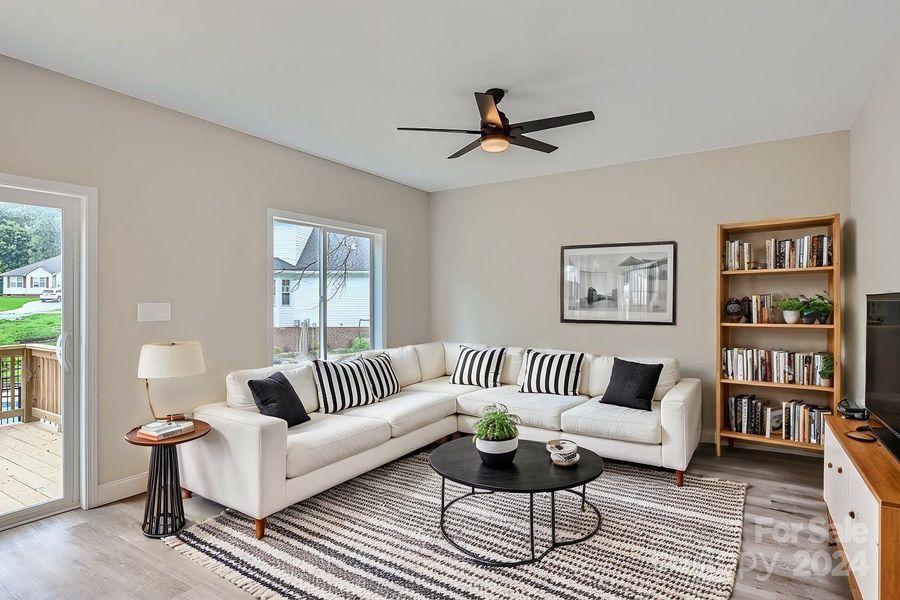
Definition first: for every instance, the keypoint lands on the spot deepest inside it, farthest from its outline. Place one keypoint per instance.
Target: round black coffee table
(531, 473)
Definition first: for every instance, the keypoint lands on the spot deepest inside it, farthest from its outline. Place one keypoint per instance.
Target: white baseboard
(121, 488)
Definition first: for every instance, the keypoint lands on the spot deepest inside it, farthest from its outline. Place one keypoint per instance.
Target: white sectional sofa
(255, 464)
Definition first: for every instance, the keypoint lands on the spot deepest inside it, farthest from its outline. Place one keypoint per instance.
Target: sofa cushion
(380, 371)
(608, 421)
(552, 373)
(407, 411)
(512, 364)
(585, 368)
(478, 367)
(300, 376)
(601, 371)
(632, 384)
(441, 385)
(275, 397)
(328, 438)
(431, 360)
(451, 354)
(536, 410)
(342, 384)
(405, 361)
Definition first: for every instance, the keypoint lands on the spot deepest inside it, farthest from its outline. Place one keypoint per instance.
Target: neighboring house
(296, 284)
(33, 279)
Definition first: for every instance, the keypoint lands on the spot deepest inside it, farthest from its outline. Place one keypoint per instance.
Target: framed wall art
(618, 283)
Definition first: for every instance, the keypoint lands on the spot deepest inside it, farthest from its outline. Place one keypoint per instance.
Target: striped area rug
(377, 536)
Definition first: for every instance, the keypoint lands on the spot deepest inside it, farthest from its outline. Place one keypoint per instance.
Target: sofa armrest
(240, 463)
(681, 423)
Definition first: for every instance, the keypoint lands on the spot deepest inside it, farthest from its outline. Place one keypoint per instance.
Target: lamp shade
(161, 360)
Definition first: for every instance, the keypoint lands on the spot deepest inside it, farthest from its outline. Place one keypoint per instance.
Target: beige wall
(495, 248)
(872, 264)
(182, 210)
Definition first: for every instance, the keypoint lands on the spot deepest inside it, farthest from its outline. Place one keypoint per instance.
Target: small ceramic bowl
(559, 461)
(565, 447)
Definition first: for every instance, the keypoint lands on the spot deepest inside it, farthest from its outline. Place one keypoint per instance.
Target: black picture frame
(567, 314)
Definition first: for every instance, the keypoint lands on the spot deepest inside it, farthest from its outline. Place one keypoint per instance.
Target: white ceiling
(336, 78)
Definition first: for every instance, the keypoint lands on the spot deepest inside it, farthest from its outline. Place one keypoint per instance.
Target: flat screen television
(883, 367)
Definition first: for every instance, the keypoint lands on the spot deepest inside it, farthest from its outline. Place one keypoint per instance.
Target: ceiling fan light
(494, 142)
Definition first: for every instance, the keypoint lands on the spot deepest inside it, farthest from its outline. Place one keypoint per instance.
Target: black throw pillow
(275, 397)
(632, 384)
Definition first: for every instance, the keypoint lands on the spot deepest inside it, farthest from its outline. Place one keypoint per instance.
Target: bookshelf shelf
(781, 386)
(804, 271)
(728, 334)
(779, 326)
(774, 441)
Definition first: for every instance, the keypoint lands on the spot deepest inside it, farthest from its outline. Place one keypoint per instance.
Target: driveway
(31, 308)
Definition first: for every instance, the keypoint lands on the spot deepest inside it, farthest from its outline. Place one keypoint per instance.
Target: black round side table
(532, 472)
(164, 510)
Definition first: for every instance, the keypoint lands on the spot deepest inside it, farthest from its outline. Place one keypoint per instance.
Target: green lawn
(42, 328)
(9, 303)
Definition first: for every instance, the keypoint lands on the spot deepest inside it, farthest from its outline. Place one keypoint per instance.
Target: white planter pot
(497, 454)
(791, 316)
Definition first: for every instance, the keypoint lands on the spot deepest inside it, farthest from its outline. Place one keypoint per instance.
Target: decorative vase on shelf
(827, 382)
(823, 317)
(733, 310)
(808, 318)
(791, 316)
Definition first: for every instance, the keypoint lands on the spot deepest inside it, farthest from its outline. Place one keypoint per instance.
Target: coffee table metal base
(554, 543)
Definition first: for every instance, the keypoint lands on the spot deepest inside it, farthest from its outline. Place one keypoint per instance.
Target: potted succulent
(496, 435)
(826, 371)
(791, 309)
(821, 307)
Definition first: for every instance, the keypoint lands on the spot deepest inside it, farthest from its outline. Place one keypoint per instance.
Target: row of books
(776, 366)
(800, 253)
(804, 422)
(738, 255)
(761, 308)
(749, 414)
(795, 420)
(162, 430)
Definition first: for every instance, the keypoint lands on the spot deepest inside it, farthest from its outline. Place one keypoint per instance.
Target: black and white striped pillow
(382, 378)
(547, 373)
(342, 384)
(478, 367)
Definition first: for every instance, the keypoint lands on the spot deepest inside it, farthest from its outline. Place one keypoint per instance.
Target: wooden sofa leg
(186, 493)
(260, 528)
(679, 478)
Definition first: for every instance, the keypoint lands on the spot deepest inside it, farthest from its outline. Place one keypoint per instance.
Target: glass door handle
(63, 350)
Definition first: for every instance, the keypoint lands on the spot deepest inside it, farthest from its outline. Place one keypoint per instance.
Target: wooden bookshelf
(829, 336)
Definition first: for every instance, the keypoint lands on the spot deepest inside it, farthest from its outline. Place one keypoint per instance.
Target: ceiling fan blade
(465, 149)
(552, 122)
(533, 144)
(487, 108)
(439, 130)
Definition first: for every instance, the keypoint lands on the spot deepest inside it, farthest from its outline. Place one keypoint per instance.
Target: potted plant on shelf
(826, 371)
(791, 309)
(496, 435)
(821, 307)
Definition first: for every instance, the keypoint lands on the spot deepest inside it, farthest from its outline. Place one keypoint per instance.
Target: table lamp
(162, 360)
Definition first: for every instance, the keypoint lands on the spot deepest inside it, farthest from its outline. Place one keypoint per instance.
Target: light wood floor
(101, 553)
(30, 468)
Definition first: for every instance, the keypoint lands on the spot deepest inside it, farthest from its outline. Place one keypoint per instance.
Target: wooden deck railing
(29, 384)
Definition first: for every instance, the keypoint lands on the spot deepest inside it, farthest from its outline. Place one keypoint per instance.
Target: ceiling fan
(496, 133)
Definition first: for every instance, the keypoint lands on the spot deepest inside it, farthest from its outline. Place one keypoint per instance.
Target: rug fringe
(255, 589)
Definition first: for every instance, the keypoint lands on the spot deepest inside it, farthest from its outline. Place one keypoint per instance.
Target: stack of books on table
(803, 422)
(161, 430)
(749, 414)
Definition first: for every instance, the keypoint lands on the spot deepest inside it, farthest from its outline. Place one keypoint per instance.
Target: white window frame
(378, 237)
(286, 291)
(16, 282)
